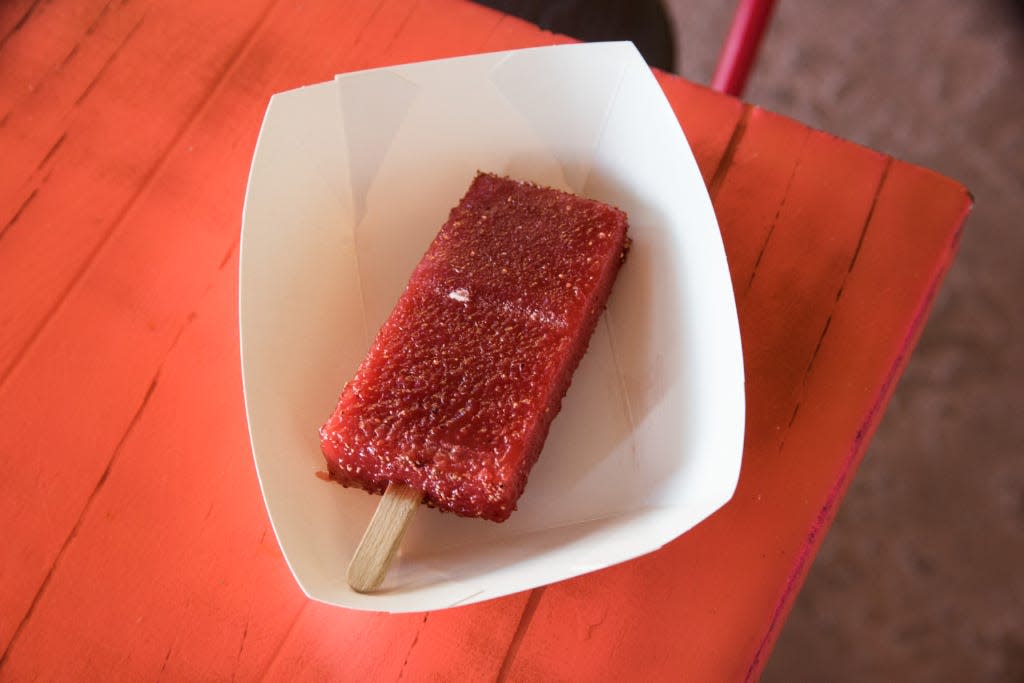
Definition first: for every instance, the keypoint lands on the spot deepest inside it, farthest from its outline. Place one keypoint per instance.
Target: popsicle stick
(380, 542)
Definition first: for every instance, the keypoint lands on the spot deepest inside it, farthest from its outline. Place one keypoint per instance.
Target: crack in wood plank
(730, 151)
(64, 62)
(839, 293)
(241, 645)
(96, 20)
(113, 55)
(53, 150)
(32, 195)
(18, 24)
(21, 209)
(89, 30)
(400, 28)
(284, 640)
(517, 638)
(361, 39)
(167, 658)
(494, 29)
(70, 55)
(846, 275)
(227, 256)
(864, 228)
(412, 646)
(778, 212)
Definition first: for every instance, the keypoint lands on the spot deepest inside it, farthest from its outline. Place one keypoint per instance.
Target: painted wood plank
(93, 365)
(54, 57)
(173, 570)
(35, 41)
(134, 301)
(81, 146)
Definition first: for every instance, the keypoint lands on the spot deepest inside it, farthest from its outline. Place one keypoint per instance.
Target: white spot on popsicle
(460, 294)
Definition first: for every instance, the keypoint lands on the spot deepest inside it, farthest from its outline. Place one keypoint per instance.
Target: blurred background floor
(922, 575)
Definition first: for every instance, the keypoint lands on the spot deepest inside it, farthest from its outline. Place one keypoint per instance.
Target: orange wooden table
(135, 542)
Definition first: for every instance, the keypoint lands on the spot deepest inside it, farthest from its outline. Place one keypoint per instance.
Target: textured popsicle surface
(457, 393)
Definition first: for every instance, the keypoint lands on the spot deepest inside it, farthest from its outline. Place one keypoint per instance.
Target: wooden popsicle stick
(370, 563)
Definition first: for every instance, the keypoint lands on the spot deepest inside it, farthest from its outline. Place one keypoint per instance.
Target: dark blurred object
(645, 22)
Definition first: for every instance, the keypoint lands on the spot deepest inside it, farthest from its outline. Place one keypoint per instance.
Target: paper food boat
(350, 181)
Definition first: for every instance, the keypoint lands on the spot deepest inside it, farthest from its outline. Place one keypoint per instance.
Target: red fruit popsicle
(453, 402)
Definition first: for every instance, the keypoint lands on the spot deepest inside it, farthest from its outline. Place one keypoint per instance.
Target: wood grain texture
(85, 136)
(136, 540)
(380, 541)
(173, 570)
(94, 360)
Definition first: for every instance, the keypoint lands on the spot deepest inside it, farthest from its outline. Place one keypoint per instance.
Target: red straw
(741, 45)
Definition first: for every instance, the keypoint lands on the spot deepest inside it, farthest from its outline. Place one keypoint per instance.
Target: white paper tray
(350, 181)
